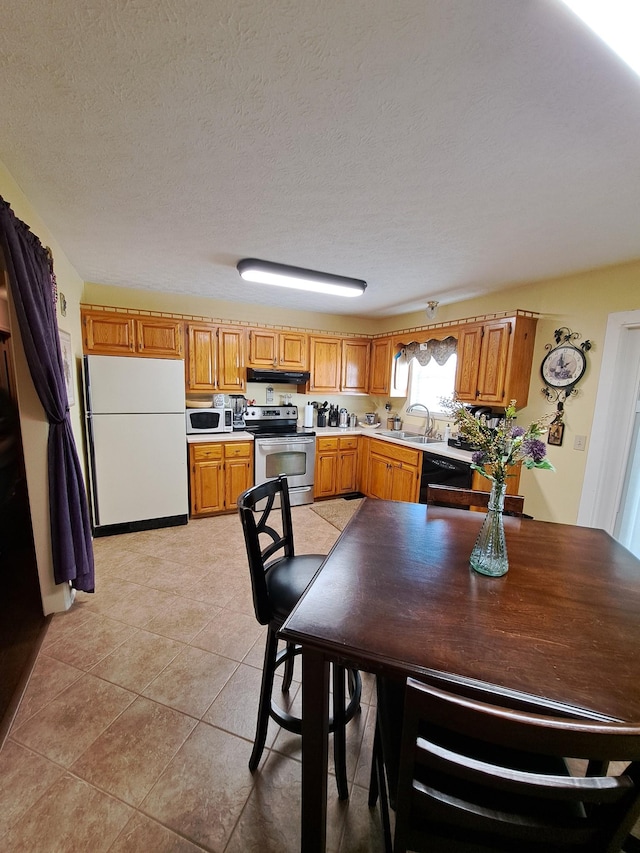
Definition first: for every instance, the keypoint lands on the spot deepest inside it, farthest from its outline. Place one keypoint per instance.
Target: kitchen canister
(353, 420)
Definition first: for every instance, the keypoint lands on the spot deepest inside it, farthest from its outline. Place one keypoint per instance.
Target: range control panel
(271, 413)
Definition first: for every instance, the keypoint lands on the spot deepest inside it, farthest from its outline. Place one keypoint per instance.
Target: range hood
(278, 377)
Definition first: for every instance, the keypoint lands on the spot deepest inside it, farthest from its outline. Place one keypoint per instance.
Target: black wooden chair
(465, 498)
(278, 578)
(473, 776)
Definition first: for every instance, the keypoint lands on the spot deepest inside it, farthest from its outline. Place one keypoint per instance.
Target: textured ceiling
(438, 149)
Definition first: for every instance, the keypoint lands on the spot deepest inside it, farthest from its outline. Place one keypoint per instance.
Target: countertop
(438, 448)
(212, 437)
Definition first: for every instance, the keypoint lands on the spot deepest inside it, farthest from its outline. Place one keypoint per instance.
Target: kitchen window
(431, 381)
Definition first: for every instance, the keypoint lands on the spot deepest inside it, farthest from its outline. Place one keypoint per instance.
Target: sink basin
(421, 439)
(413, 437)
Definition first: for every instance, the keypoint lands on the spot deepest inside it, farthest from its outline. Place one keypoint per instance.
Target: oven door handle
(270, 442)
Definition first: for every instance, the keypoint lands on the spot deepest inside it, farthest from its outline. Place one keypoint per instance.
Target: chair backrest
(477, 776)
(265, 512)
(464, 498)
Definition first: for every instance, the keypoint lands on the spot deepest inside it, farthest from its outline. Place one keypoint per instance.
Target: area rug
(337, 512)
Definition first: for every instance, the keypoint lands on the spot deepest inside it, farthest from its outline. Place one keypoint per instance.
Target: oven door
(294, 456)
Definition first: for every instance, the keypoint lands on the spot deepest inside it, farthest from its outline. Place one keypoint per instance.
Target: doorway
(627, 529)
(21, 616)
(611, 477)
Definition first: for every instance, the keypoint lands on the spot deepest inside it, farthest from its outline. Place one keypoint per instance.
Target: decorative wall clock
(562, 368)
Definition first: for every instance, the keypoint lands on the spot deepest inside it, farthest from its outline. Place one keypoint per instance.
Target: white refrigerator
(136, 443)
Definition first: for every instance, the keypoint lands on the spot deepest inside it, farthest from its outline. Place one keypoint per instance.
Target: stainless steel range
(281, 448)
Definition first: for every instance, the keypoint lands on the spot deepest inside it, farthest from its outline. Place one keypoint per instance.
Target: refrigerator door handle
(92, 469)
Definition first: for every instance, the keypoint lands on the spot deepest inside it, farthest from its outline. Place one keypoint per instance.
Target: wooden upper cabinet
(494, 361)
(325, 356)
(380, 369)
(108, 334)
(115, 333)
(355, 366)
(293, 351)
(202, 348)
(160, 338)
(215, 358)
(339, 365)
(468, 363)
(231, 359)
(263, 348)
(274, 349)
(388, 375)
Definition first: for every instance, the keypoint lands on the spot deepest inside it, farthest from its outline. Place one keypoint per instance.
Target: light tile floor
(137, 725)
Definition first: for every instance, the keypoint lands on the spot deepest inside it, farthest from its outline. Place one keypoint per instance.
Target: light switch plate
(580, 442)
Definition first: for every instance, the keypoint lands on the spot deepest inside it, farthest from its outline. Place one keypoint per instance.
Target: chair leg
(339, 732)
(268, 670)
(378, 785)
(288, 668)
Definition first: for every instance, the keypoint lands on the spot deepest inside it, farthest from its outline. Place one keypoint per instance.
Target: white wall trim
(612, 422)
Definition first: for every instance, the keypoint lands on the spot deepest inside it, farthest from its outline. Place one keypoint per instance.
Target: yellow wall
(33, 422)
(102, 294)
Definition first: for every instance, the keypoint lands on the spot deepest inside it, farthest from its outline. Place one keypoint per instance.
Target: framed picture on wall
(556, 432)
(67, 364)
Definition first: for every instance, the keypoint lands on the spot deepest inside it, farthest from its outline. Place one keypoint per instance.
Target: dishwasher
(443, 471)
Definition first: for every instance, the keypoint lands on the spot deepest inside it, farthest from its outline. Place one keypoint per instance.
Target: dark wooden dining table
(396, 596)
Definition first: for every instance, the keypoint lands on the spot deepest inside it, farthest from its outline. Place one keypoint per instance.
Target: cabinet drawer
(205, 452)
(328, 443)
(397, 453)
(242, 450)
(348, 442)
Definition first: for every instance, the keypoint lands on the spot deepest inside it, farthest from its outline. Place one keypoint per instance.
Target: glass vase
(489, 555)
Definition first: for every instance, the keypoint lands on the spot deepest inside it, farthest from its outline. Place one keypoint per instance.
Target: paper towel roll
(308, 415)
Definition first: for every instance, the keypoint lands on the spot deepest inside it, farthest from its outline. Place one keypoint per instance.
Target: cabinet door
(231, 359)
(494, 356)
(201, 357)
(379, 485)
(293, 349)
(347, 475)
(108, 334)
(207, 478)
(469, 346)
(355, 366)
(404, 483)
(238, 462)
(325, 361)
(326, 474)
(160, 338)
(263, 348)
(381, 367)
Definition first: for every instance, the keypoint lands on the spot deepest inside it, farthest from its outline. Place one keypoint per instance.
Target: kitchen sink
(413, 437)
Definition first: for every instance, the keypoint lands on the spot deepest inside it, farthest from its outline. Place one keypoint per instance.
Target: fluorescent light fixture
(265, 272)
(617, 22)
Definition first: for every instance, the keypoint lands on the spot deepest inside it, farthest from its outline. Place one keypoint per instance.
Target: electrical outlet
(580, 442)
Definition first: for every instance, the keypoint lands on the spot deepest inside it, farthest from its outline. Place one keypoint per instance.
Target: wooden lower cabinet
(219, 473)
(336, 466)
(482, 484)
(393, 472)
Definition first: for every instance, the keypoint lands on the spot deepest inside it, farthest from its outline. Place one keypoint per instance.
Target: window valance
(425, 351)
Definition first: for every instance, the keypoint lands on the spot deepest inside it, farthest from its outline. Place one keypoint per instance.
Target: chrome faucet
(428, 423)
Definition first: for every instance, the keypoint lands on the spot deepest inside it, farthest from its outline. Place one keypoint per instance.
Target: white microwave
(209, 420)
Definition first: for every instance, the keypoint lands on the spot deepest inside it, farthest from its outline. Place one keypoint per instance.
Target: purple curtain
(30, 277)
